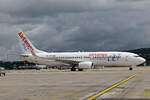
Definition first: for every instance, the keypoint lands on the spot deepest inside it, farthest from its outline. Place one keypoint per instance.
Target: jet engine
(85, 65)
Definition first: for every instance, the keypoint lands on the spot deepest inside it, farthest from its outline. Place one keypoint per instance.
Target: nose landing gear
(130, 68)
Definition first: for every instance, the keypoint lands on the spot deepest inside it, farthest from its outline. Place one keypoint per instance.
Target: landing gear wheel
(130, 68)
(80, 69)
(73, 69)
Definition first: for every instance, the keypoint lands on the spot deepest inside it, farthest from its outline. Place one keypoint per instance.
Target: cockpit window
(137, 56)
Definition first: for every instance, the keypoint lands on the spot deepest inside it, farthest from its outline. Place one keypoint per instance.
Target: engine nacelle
(85, 65)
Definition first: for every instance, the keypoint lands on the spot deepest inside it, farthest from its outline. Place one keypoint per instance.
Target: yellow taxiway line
(108, 89)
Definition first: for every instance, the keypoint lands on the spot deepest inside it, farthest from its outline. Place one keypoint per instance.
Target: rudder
(26, 45)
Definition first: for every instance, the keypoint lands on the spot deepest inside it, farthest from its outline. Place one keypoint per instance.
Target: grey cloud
(38, 8)
(34, 8)
(96, 31)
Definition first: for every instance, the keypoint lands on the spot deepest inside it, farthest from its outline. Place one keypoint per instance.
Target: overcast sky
(75, 25)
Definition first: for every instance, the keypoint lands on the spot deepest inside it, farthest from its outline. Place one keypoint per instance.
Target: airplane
(77, 60)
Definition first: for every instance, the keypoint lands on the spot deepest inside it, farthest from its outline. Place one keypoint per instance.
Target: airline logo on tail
(24, 39)
(24, 46)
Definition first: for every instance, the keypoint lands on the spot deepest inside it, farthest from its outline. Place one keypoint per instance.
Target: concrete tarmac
(66, 85)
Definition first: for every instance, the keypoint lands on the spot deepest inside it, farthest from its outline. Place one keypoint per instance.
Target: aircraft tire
(130, 68)
(80, 69)
(73, 69)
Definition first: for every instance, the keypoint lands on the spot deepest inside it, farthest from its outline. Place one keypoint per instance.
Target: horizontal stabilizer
(19, 55)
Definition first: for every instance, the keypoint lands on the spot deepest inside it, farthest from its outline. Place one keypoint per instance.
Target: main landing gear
(73, 68)
(80, 69)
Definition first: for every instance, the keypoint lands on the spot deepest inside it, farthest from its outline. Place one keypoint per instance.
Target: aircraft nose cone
(141, 60)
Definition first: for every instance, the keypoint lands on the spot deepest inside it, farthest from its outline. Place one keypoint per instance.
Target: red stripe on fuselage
(98, 54)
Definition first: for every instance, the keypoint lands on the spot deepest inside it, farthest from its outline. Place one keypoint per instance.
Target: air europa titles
(110, 57)
(97, 54)
(26, 42)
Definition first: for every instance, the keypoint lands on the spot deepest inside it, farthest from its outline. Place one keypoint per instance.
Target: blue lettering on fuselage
(114, 57)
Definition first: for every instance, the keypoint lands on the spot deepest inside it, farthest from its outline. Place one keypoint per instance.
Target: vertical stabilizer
(26, 45)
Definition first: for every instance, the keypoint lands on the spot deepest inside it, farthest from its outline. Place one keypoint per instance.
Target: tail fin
(27, 45)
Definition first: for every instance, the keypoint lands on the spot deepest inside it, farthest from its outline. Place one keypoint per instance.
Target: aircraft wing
(71, 62)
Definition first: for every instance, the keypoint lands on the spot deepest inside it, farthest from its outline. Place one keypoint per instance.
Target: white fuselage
(97, 58)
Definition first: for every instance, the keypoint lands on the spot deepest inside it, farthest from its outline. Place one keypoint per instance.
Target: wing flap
(71, 62)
